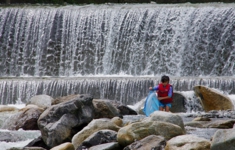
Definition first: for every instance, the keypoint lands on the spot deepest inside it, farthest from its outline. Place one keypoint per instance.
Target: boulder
(104, 109)
(186, 142)
(196, 124)
(223, 139)
(118, 121)
(202, 119)
(64, 99)
(42, 101)
(25, 119)
(125, 110)
(213, 100)
(97, 138)
(166, 117)
(220, 124)
(4, 108)
(64, 146)
(139, 130)
(148, 143)
(38, 142)
(178, 104)
(60, 122)
(94, 126)
(107, 146)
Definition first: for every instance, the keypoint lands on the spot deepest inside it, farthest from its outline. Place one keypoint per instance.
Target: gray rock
(178, 104)
(94, 126)
(60, 122)
(107, 146)
(186, 142)
(42, 101)
(220, 124)
(25, 119)
(99, 137)
(223, 140)
(139, 130)
(151, 142)
(104, 109)
(166, 117)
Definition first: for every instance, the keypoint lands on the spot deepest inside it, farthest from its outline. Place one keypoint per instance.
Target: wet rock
(213, 100)
(64, 99)
(94, 126)
(220, 124)
(139, 130)
(64, 146)
(97, 138)
(202, 119)
(4, 108)
(42, 101)
(148, 143)
(107, 146)
(104, 109)
(166, 117)
(186, 142)
(38, 142)
(125, 110)
(178, 104)
(25, 119)
(223, 139)
(196, 124)
(60, 122)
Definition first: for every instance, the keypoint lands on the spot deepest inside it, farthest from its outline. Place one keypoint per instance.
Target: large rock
(178, 104)
(166, 117)
(4, 108)
(186, 142)
(64, 146)
(139, 130)
(151, 142)
(104, 109)
(213, 100)
(94, 126)
(125, 110)
(64, 99)
(38, 142)
(97, 138)
(25, 119)
(220, 124)
(107, 146)
(223, 140)
(42, 101)
(60, 122)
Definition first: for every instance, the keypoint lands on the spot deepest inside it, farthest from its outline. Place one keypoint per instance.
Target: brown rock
(186, 142)
(212, 100)
(64, 99)
(139, 130)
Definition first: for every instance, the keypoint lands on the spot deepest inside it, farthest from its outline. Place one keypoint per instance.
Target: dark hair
(165, 79)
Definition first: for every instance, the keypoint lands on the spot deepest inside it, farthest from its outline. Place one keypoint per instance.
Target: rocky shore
(79, 122)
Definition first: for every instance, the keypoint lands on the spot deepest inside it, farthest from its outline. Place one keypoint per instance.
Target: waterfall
(114, 51)
(128, 90)
(132, 39)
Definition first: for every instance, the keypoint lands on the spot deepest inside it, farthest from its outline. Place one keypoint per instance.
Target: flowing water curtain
(187, 40)
(126, 90)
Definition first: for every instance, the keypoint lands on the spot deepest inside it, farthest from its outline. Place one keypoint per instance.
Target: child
(165, 93)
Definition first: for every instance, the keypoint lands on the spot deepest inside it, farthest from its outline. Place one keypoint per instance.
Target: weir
(114, 51)
(128, 90)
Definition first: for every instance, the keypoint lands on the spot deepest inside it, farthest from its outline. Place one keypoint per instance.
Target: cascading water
(184, 41)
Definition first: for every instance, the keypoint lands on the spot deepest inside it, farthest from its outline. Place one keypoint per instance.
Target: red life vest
(163, 92)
